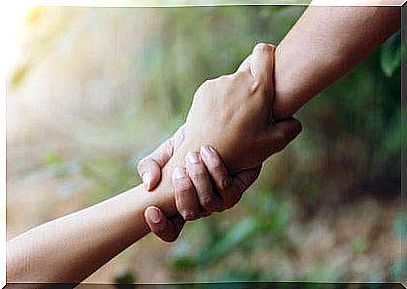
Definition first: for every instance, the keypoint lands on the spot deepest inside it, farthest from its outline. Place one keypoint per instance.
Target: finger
(150, 167)
(150, 172)
(186, 200)
(244, 179)
(239, 183)
(280, 134)
(216, 169)
(167, 230)
(262, 64)
(245, 64)
(208, 200)
(178, 136)
(163, 154)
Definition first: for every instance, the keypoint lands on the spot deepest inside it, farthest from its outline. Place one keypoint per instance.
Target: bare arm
(70, 248)
(324, 44)
(315, 53)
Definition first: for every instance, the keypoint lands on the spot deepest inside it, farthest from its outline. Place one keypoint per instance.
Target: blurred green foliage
(350, 148)
(352, 137)
(125, 280)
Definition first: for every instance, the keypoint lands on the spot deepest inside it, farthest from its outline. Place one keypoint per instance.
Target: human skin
(205, 177)
(233, 115)
(69, 249)
(60, 252)
(324, 44)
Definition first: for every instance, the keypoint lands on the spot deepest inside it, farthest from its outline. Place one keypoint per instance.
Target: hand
(196, 196)
(233, 114)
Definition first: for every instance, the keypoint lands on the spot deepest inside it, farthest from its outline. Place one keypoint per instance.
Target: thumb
(150, 167)
(245, 64)
(280, 134)
(262, 64)
(167, 229)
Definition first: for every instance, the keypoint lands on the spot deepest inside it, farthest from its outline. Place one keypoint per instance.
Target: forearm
(323, 45)
(71, 248)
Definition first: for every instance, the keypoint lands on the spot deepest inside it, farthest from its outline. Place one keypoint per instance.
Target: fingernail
(207, 151)
(154, 215)
(178, 173)
(146, 179)
(193, 158)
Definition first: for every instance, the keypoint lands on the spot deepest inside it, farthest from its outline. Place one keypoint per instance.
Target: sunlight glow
(13, 17)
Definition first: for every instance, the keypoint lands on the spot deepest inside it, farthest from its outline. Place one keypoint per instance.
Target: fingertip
(178, 173)
(153, 215)
(262, 47)
(160, 226)
(151, 176)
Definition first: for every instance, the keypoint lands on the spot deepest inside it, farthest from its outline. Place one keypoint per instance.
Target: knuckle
(217, 166)
(183, 188)
(197, 172)
(224, 78)
(208, 83)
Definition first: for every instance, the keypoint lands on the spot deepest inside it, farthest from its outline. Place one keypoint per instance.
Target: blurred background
(93, 90)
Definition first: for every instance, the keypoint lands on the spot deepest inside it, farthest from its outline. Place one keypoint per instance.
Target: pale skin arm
(69, 249)
(303, 67)
(323, 45)
(72, 247)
